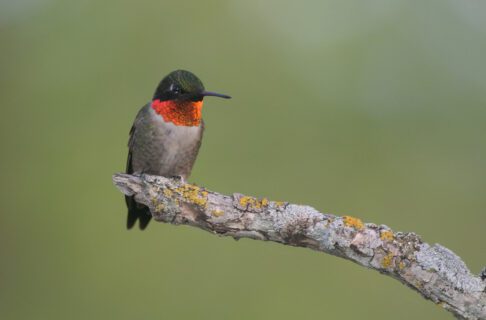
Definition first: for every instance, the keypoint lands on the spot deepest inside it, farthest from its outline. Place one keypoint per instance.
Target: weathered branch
(432, 270)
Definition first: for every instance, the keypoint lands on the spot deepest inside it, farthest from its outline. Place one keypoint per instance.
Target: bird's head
(179, 98)
(183, 85)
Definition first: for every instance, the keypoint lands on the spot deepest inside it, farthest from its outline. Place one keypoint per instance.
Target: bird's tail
(137, 211)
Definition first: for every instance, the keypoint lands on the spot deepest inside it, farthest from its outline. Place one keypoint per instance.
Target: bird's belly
(178, 153)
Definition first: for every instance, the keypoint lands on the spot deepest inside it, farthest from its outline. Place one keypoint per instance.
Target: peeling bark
(433, 270)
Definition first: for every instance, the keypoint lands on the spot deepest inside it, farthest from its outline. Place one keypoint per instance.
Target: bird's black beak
(214, 94)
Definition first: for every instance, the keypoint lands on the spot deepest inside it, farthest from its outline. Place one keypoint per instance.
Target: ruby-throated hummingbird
(166, 134)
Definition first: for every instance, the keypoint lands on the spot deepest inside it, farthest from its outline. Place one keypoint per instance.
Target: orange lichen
(264, 202)
(386, 235)
(353, 222)
(168, 193)
(279, 203)
(253, 203)
(193, 194)
(401, 265)
(387, 260)
(217, 212)
(246, 200)
(158, 207)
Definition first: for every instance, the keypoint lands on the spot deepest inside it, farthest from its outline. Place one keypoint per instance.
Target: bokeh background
(374, 108)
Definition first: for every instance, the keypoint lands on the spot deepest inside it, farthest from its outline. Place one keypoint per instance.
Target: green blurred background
(370, 108)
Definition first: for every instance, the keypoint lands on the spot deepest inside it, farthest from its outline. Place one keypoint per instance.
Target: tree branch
(432, 270)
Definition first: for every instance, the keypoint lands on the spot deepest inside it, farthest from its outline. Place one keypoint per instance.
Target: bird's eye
(175, 89)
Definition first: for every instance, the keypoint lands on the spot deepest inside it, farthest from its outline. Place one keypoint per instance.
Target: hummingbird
(166, 135)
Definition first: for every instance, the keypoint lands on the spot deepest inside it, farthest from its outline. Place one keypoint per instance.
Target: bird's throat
(180, 113)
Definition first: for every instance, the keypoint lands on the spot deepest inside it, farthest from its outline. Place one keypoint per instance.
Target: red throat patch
(180, 113)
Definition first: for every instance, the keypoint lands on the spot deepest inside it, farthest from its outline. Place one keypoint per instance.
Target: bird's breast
(172, 148)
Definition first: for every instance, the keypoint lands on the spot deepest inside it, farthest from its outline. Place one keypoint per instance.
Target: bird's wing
(135, 211)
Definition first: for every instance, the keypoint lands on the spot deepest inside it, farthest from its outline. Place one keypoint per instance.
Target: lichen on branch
(433, 270)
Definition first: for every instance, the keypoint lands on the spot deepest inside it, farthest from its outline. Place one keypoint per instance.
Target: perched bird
(166, 134)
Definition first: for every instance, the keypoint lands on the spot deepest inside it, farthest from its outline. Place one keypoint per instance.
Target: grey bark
(433, 270)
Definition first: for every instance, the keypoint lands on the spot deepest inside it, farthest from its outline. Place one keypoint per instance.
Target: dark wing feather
(135, 210)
